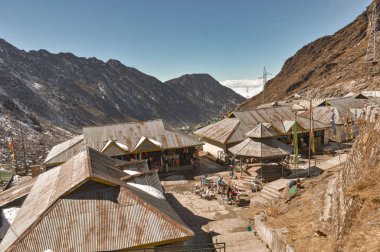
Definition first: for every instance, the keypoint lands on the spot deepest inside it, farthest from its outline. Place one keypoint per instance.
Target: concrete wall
(270, 237)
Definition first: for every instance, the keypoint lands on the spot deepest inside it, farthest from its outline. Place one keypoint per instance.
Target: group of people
(210, 187)
(195, 162)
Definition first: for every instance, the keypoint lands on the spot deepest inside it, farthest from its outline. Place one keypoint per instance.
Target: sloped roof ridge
(78, 138)
(54, 198)
(123, 123)
(156, 209)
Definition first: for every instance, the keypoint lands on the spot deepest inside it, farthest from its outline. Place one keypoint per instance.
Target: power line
(265, 80)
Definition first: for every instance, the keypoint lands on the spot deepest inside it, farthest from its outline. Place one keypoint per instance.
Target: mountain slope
(49, 94)
(330, 66)
(206, 92)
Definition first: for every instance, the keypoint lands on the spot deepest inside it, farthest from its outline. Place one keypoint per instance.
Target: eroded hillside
(330, 66)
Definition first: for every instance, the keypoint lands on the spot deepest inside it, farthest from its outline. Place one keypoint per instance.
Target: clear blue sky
(229, 39)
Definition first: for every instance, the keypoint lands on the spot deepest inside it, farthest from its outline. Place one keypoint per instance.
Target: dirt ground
(301, 218)
(214, 220)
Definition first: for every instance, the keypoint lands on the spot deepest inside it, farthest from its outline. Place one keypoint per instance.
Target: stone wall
(361, 162)
(271, 236)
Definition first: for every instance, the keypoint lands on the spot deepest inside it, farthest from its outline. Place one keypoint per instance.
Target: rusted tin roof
(16, 192)
(83, 205)
(314, 102)
(129, 134)
(343, 105)
(274, 116)
(261, 131)
(64, 151)
(219, 131)
(126, 134)
(261, 148)
(343, 109)
(145, 144)
(233, 129)
(366, 93)
(324, 114)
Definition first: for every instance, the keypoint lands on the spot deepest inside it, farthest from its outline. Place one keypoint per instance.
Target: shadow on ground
(194, 222)
(188, 173)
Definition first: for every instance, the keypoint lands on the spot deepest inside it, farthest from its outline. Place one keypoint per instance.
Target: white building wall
(215, 151)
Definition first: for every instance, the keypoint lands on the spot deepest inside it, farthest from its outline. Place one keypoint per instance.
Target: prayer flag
(356, 123)
(11, 148)
(312, 146)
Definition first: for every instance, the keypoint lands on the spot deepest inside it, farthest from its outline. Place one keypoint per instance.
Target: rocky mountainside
(40, 91)
(330, 66)
(206, 92)
(355, 195)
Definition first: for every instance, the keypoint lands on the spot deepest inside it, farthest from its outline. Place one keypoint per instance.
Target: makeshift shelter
(87, 204)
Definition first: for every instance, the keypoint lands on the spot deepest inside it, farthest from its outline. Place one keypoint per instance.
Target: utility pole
(23, 149)
(265, 79)
(310, 134)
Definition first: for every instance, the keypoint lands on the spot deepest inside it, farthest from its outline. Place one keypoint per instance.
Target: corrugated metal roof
(16, 192)
(314, 102)
(129, 134)
(261, 148)
(375, 100)
(371, 93)
(62, 213)
(219, 131)
(366, 93)
(233, 130)
(150, 179)
(64, 151)
(343, 105)
(305, 123)
(342, 108)
(274, 116)
(145, 144)
(260, 131)
(323, 114)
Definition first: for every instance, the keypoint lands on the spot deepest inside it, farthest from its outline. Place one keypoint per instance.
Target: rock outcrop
(355, 197)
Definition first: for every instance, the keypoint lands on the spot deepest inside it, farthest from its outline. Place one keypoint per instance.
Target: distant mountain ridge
(205, 92)
(330, 66)
(45, 91)
(76, 91)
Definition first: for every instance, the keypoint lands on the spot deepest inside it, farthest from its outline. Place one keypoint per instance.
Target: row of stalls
(280, 121)
(163, 149)
(331, 119)
(164, 160)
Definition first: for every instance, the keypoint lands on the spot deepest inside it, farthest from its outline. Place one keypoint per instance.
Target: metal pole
(296, 158)
(23, 148)
(311, 128)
